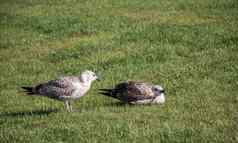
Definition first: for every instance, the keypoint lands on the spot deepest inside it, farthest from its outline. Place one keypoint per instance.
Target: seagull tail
(28, 90)
(107, 92)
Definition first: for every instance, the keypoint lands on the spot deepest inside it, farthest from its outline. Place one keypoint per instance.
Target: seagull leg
(66, 103)
(70, 106)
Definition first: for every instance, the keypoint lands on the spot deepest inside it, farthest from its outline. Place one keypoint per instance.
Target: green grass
(190, 47)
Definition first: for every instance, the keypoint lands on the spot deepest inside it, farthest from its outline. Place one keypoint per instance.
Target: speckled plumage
(57, 89)
(136, 92)
(65, 88)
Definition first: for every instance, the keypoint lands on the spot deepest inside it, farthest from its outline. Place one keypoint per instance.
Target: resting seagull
(64, 89)
(136, 93)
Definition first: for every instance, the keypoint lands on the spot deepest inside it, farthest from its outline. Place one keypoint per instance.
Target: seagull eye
(156, 89)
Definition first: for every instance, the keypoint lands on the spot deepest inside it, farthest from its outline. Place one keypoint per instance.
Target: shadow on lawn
(118, 104)
(122, 104)
(41, 112)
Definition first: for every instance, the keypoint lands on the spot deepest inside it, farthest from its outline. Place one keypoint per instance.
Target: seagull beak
(162, 91)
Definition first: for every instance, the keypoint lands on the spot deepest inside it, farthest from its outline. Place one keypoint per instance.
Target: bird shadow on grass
(127, 104)
(89, 108)
(120, 104)
(41, 112)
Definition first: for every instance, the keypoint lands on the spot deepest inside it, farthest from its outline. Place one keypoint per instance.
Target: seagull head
(159, 93)
(158, 90)
(88, 76)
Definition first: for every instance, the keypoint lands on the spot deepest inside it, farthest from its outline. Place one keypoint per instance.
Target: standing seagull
(65, 88)
(136, 93)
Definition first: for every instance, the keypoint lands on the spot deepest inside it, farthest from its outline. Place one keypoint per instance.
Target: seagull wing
(138, 91)
(131, 91)
(55, 88)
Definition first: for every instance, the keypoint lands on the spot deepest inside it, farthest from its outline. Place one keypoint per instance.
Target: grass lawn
(190, 47)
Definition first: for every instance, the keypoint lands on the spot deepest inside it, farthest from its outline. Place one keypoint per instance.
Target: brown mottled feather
(130, 91)
(56, 88)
